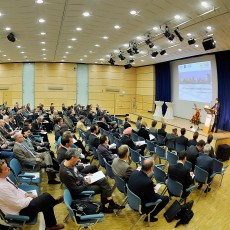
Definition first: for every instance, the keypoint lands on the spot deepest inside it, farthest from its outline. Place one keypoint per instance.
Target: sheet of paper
(34, 192)
(140, 143)
(35, 174)
(96, 176)
(112, 146)
(157, 187)
(151, 137)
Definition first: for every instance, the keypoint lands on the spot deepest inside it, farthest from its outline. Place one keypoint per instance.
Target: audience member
(93, 138)
(162, 131)
(194, 140)
(143, 132)
(182, 140)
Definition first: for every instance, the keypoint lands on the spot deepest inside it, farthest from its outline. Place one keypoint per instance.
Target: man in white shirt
(17, 202)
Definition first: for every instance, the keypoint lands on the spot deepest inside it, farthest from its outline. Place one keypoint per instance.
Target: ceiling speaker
(11, 37)
(191, 41)
(209, 43)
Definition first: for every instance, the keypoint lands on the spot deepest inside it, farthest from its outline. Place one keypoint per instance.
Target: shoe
(54, 182)
(199, 186)
(152, 219)
(55, 227)
(51, 170)
(107, 210)
(207, 190)
(116, 206)
(60, 199)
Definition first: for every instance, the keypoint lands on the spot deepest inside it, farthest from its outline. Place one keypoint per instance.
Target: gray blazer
(22, 154)
(121, 168)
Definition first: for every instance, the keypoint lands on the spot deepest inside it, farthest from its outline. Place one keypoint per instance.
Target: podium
(169, 112)
(158, 111)
(208, 120)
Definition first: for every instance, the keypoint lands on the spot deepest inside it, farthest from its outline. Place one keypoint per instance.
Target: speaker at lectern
(208, 120)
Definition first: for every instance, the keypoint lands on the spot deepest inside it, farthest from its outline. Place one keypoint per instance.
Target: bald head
(19, 138)
(147, 165)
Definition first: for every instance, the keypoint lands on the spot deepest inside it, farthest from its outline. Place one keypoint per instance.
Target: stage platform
(222, 137)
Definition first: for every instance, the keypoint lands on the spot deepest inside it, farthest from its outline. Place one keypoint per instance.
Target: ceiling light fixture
(18, 47)
(177, 16)
(121, 56)
(168, 34)
(117, 27)
(11, 37)
(154, 54)
(191, 41)
(7, 28)
(133, 12)
(105, 37)
(39, 1)
(176, 31)
(43, 33)
(86, 14)
(41, 20)
(79, 29)
(148, 41)
(73, 39)
(162, 52)
(128, 65)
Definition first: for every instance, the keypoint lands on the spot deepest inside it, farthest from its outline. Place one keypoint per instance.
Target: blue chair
(101, 160)
(160, 176)
(84, 139)
(161, 154)
(135, 204)
(172, 158)
(101, 131)
(219, 169)
(117, 142)
(121, 130)
(161, 140)
(151, 147)
(121, 186)
(170, 144)
(135, 157)
(188, 165)
(180, 147)
(111, 138)
(24, 177)
(95, 154)
(109, 172)
(86, 221)
(134, 137)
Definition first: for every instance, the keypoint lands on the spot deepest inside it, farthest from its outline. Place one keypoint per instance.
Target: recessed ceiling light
(69, 47)
(116, 51)
(86, 14)
(153, 57)
(117, 27)
(73, 39)
(8, 59)
(90, 51)
(79, 29)
(177, 16)
(189, 34)
(142, 60)
(95, 62)
(4, 55)
(44, 58)
(43, 42)
(19, 47)
(43, 33)
(43, 54)
(107, 55)
(133, 12)
(105, 37)
(0, 14)
(22, 52)
(62, 60)
(66, 52)
(41, 20)
(208, 27)
(85, 56)
(43, 49)
(204, 4)
(138, 37)
(7, 28)
(179, 50)
(155, 28)
(39, 1)
(142, 52)
(81, 59)
(97, 45)
(126, 45)
(196, 45)
(101, 59)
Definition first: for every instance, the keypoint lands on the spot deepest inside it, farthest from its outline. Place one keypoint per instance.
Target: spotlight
(111, 61)
(154, 54)
(121, 56)
(176, 31)
(131, 60)
(168, 34)
(191, 41)
(135, 48)
(209, 43)
(130, 51)
(128, 66)
(162, 52)
(11, 37)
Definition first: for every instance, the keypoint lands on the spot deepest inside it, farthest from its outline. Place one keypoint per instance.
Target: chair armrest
(93, 216)
(16, 217)
(160, 165)
(226, 166)
(87, 193)
(212, 175)
(190, 188)
(26, 175)
(153, 203)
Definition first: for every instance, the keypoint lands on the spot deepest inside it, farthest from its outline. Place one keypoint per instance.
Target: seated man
(106, 117)
(120, 166)
(205, 162)
(162, 131)
(141, 185)
(182, 140)
(81, 125)
(93, 138)
(127, 140)
(126, 123)
(103, 149)
(17, 202)
(76, 182)
(172, 136)
(24, 155)
(180, 173)
(101, 123)
(57, 127)
(193, 141)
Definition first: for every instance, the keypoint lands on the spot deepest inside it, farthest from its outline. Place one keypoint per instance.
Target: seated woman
(103, 149)
(143, 132)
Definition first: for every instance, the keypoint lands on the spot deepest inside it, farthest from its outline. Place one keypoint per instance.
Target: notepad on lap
(95, 177)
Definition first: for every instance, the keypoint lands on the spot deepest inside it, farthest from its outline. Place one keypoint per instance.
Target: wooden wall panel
(55, 74)
(11, 78)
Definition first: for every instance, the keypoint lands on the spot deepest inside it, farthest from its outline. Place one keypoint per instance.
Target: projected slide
(195, 81)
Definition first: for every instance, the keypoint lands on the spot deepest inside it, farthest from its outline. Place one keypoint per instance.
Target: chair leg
(66, 218)
(221, 179)
(123, 204)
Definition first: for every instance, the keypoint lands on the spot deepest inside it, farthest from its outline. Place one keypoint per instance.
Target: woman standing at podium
(216, 108)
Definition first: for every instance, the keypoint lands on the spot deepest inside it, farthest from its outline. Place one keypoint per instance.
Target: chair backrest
(109, 170)
(101, 159)
(151, 146)
(12, 178)
(134, 137)
(160, 152)
(121, 130)
(133, 200)
(201, 176)
(159, 175)
(117, 142)
(217, 166)
(95, 154)
(15, 166)
(106, 133)
(172, 158)
(188, 165)
(161, 139)
(68, 201)
(135, 156)
(111, 138)
(141, 138)
(120, 184)
(170, 144)
(174, 187)
(101, 131)
(180, 147)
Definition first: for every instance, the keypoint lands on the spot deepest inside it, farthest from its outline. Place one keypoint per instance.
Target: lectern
(209, 120)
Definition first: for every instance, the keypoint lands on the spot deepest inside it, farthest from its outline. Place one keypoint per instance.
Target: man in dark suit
(127, 124)
(120, 166)
(93, 138)
(182, 140)
(205, 162)
(193, 152)
(37, 127)
(101, 123)
(106, 117)
(180, 173)
(140, 184)
(57, 127)
(162, 131)
(194, 140)
(216, 108)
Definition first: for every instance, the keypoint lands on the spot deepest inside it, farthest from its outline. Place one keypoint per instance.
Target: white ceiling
(64, 16)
